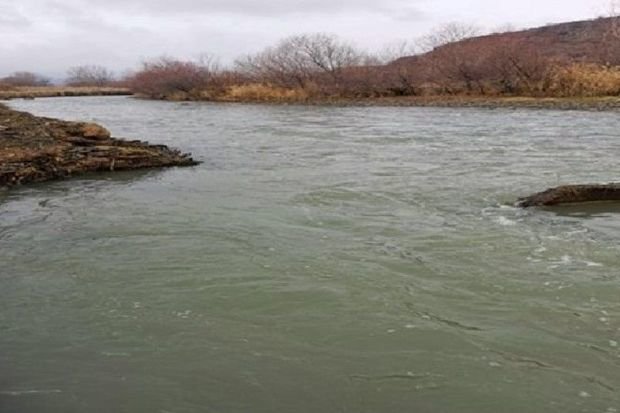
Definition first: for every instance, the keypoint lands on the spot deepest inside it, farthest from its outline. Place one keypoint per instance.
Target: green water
(318, 260)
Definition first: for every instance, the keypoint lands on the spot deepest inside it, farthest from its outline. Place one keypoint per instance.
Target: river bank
(36, 149)
(584, 103)
(601, 103)
(60, 91)
(516, 102)
(604, 103)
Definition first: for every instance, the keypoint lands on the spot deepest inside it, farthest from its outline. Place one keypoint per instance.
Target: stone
(571, 194)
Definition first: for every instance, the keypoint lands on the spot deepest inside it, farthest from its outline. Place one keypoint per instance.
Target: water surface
(318, 260)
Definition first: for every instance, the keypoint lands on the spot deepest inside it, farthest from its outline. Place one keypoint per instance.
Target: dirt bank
(35, 149)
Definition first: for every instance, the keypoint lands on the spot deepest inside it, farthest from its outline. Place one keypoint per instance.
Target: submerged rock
(35, 149)
(570, 194)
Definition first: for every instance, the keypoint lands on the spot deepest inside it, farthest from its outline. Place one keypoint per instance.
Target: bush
(170, 79)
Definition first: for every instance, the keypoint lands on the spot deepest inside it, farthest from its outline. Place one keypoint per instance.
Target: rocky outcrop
(35, 149)
(570, 194)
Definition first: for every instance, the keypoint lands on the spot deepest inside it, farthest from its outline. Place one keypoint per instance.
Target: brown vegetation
(579, 59)
(11, 92)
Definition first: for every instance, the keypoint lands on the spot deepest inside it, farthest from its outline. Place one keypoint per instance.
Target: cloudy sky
(47, 36)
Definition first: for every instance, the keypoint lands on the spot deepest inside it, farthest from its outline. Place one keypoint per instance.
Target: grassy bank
(59, 91)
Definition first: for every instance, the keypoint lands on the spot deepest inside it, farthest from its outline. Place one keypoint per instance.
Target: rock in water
(570, 194)
(35, 149)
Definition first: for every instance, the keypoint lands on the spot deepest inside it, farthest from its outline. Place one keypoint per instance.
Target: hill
(591, 41)
(524, 61)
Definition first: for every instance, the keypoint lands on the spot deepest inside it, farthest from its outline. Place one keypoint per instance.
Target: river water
(318, 260)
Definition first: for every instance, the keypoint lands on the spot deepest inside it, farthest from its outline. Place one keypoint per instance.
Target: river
(320, 259)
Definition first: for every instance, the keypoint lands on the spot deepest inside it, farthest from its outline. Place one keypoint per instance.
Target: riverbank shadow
(91, 181)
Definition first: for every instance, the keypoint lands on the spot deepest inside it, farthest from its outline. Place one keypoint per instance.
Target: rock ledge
(570, 194)
(36, 149)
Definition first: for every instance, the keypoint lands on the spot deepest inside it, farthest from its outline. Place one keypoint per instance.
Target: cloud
(271, 8)
(48, 36)
(11, 17)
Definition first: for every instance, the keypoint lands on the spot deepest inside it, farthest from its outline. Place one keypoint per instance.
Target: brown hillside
(568, 59)
(586, 41)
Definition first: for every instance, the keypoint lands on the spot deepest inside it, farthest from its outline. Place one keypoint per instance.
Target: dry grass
(583, 80)
(255, 92)
(57, 91)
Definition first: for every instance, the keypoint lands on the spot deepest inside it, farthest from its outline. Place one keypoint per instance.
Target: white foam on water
(27, 392)
(505, 221)
(114, 354)
(593, 264)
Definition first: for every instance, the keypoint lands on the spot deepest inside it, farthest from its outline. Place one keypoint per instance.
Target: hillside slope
(568, 59)
(590, 41)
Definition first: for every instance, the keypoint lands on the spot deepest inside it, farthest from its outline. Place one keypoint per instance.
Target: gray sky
(48, 36)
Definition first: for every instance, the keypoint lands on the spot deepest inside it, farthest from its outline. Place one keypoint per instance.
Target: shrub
(167, 78)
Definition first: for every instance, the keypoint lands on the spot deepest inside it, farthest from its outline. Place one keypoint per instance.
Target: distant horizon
(47, 37)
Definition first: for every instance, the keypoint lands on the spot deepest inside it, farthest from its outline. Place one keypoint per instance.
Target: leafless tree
(395, 50)
(209, 62)
(448, 33)
(610, 46)
(299, 60)
(25, 79)
(89, 75)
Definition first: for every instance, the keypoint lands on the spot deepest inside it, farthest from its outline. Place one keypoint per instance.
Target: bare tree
(209, 62)
(298, 60)
(328, 53)
(448, 33)
(89, 75)
(610, 46)
(395, 50)
(25, 79)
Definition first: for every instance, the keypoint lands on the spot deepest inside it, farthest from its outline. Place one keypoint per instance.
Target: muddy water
(319, 260)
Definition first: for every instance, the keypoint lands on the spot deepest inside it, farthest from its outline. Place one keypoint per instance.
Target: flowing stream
(320, 259)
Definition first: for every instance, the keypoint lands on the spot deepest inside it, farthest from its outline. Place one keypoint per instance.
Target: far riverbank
(604, 103)
(60, 91)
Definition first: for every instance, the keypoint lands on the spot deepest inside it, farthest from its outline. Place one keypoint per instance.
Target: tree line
(454, 59)
(77, 76)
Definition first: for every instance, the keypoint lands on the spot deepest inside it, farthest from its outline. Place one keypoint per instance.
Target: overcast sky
(48, 36)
